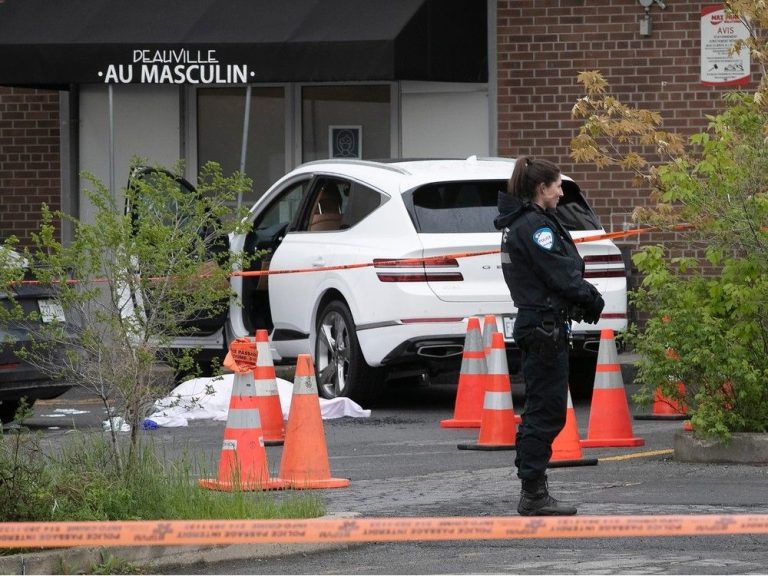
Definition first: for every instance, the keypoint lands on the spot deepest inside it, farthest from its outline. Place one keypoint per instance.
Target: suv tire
(340, 365)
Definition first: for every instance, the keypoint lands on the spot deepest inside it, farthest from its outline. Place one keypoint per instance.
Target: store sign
(175, 67)
(720, 66)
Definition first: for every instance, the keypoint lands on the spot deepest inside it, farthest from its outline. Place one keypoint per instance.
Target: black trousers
(545, 370)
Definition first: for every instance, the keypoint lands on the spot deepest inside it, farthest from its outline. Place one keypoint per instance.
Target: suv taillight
(417, 270)
(594, 266)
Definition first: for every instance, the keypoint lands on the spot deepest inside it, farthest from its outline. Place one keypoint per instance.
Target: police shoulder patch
(544, 237)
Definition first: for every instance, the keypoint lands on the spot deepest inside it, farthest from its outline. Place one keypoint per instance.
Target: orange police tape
(443, 257)
(402, 261)
(211, 532)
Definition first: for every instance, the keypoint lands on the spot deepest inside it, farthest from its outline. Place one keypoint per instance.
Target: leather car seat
(326, 214)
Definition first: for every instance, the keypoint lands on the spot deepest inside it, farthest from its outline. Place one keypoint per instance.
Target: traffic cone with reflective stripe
(305, 455)
(497, 426)
(243, 462)
(267, 396)
(664, 406)
(609, 420)
(566, 448)
(469, 394)
(490, 327)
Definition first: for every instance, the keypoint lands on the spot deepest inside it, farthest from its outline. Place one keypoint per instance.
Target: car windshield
(470, 207)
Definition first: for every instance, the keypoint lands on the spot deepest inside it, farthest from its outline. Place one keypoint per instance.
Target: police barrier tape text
(335, 530)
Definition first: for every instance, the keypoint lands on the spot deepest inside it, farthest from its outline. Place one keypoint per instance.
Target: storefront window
(345, 121)
(350, 121)
(220, 114)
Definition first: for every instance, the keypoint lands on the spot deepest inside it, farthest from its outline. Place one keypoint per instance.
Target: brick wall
(29, 159)
(543, 44)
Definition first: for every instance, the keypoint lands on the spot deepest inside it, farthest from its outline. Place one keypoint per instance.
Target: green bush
(708, 333)
(131, 280)
(707, 314)
(714, 317)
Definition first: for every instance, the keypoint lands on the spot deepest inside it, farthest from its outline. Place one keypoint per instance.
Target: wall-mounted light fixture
(645, 21)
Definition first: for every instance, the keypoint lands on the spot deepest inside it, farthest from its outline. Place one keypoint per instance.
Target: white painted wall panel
(444, 120)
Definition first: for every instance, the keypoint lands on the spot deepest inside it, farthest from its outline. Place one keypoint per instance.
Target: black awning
(57, 43)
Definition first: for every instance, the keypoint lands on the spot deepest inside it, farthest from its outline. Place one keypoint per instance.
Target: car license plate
(509, 326)
(50, 311)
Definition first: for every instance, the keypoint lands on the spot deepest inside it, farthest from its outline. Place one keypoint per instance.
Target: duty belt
(549, 314)
(550, 317)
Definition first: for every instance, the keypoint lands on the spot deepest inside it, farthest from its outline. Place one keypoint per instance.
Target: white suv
(344, 242)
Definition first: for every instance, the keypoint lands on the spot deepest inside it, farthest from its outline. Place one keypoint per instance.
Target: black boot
(536, 501)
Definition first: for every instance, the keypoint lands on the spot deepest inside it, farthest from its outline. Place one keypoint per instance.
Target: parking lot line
(645, 454)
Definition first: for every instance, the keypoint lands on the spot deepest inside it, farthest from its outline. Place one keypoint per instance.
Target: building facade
(651, 57)
(543, 45)
(30, 158)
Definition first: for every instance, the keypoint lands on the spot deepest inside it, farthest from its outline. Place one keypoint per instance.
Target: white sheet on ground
(208, 399)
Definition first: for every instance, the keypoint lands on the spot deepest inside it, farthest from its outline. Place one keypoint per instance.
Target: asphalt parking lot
(401, 463)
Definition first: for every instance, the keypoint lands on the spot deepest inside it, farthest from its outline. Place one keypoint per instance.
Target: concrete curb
(83, 560)
(743, 448)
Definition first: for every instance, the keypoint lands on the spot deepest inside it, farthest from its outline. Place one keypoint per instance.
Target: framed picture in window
(345, 141)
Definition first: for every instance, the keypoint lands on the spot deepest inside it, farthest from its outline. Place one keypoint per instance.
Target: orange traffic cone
(498, 427)
(666, 407)
(243, 462)
(305, 455)
(469, 394)
(489, 328)
(609, 420)
(267, 396)
(566, 448)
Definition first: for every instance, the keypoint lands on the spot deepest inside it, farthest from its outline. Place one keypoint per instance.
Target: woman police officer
(545, 277)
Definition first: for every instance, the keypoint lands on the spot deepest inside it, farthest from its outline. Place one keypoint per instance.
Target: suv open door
(204, 331)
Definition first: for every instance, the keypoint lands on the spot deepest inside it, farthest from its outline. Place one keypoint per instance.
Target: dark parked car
(18, 378)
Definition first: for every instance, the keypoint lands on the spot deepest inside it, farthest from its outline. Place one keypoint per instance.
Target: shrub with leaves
(130, 282)
(708, 333)
(707, 318)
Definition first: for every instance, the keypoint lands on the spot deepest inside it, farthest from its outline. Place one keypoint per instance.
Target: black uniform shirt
(540, 262)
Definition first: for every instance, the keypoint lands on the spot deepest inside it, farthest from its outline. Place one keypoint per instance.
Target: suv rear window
(470, 207)
(573, 210)
(451, 207)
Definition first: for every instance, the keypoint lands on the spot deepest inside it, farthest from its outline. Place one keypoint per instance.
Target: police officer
(545, 276)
